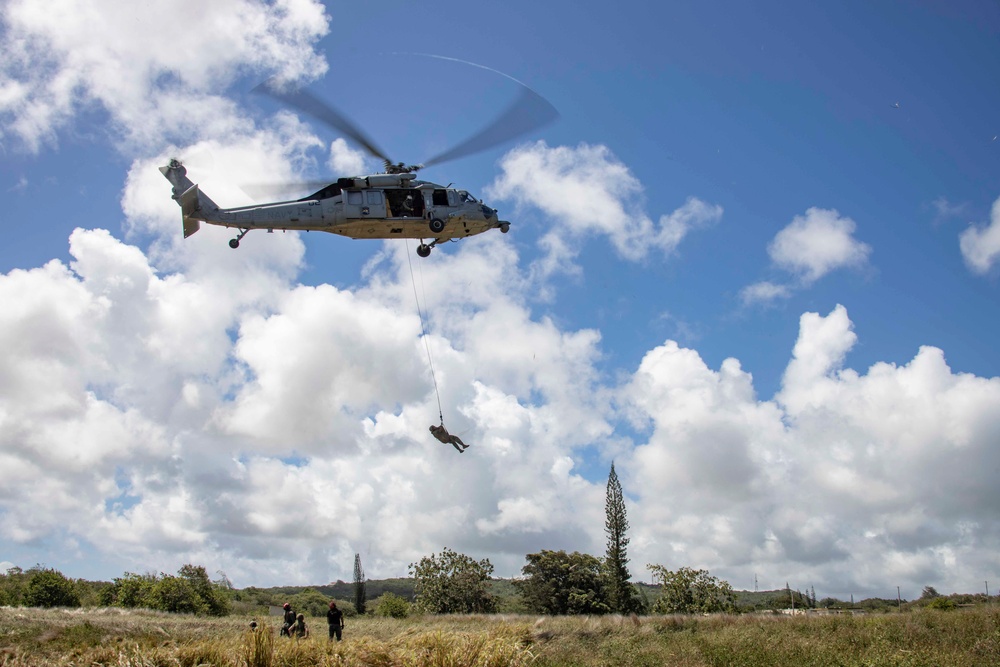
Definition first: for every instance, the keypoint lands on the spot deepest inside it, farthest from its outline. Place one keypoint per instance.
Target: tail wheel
(437, 225)
(235, 243)
(423, 250)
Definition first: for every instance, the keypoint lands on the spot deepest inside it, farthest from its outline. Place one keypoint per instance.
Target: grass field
(132, 639)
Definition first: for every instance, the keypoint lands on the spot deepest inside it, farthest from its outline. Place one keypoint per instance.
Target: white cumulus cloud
(158, 69)
(764, 292)
(980, 244)
(844, 480)
(818, 243)
(346, 161)
(810, 247)
(587, 191)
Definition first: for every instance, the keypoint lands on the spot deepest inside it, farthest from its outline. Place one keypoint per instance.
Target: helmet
(286, 606)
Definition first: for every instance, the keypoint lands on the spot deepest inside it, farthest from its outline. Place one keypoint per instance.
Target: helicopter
(390, 204)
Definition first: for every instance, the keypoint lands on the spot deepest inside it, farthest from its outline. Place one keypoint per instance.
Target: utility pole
(899, 601)
(755, 585)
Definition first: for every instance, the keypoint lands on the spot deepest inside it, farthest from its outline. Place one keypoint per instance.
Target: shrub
(390, 605)
(690, 591)
(49, 588)
(941, 603)
(129, 590)
(177, 595)
(560, 583)
(453, 583)
(12, 587)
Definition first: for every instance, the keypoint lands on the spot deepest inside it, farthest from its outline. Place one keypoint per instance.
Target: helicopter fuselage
(379, 206)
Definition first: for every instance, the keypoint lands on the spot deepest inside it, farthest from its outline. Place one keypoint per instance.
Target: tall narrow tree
(621, 595)
(359, 585)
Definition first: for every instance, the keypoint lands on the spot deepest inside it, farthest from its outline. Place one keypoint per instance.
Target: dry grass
(152, 639)
(145, 639)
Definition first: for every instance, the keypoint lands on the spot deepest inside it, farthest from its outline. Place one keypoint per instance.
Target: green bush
(12, 587)
(214, 596)
(189, 592)
(453, 583)
(177, 595)
(941, 603)
(130, 590)
(560, 583)
(389, 605)
(690, 591)
(49, 588)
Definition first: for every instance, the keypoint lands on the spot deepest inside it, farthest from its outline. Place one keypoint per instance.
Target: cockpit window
(466, 198)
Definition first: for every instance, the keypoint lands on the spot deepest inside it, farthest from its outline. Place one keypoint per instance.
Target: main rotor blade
(528, 112)
(308, 103)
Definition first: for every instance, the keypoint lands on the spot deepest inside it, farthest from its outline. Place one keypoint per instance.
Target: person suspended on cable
(441, 433)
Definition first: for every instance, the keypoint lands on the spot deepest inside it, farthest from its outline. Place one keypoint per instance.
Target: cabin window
(374, 196)
(440, 197)
(354, 197)
(405, 203)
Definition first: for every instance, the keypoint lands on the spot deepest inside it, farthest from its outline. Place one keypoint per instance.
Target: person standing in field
(335, 620)
(288, 620)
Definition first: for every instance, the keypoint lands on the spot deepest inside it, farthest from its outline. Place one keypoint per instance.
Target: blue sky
(736, 268)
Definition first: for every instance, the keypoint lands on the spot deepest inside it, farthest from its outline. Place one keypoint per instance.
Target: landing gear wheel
(423, 250)
(437, 226)
(235, 243)
(504, 227)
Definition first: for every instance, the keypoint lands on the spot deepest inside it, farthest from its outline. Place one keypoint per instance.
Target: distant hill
(340, 590)
(343, 590)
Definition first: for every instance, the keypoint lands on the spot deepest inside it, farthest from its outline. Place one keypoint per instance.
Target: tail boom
(193, 202)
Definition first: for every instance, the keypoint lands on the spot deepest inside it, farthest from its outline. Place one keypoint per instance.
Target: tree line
(569, 583)
(189, 591)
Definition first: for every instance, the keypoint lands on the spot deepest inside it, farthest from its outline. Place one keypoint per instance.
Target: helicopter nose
(488, 212)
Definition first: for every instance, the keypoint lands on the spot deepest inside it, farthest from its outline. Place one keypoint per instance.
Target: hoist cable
(423, 332)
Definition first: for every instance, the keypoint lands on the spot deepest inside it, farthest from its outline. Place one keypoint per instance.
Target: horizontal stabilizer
(190, 204)
(189, 200)
(191, 226)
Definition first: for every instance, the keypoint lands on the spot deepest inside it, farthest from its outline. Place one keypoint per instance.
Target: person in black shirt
(288, 621)
(335, 620)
